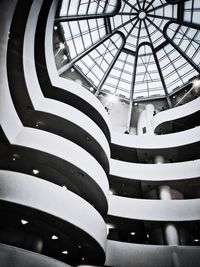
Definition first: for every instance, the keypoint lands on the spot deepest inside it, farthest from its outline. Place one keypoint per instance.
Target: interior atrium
(100, 133)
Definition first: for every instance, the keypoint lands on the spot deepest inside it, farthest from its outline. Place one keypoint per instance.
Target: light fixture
(64, 187)
(82, 258)
(65, 252)
(35, 171)
(64, 57)
(79, 246)
(148, 236)
(112, 98)
(196, 240)
(108, 227)
(15, 157)
(196, 83)
(54, 237)
(111, 192)
(24, 222)
(62, 46)
(132, 233)
(55, 27)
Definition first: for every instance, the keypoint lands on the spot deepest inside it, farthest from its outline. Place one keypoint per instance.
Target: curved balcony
(137, 180)
(61, 89)
(157, 142)
(39, 112)
(174, 147)
(79, 173)
(36, 198)
(154, 210)
(24, 258)
(165, 118)
(38, 140)
(6, 105)
(155, 172)
(132, 255)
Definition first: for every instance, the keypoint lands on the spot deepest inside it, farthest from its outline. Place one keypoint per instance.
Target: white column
(144, 125)
(170, 230)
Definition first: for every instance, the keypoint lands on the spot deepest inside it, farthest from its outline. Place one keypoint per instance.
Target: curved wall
(157, 141)
(67, 211)
(155, 172)
(80, 121)
(6, 105)
(24, 258)
(154, 210)
(175, 113)
(31, 192)
(40, 140)
(21, 189)
(69, 86)
(133, 255)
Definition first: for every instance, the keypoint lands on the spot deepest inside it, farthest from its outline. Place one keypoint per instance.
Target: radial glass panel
(160, 53)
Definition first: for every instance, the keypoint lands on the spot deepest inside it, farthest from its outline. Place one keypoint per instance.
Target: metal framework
(86, 9)
(132, 48)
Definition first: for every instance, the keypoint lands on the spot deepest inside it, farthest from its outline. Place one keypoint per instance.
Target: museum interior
(100, 133)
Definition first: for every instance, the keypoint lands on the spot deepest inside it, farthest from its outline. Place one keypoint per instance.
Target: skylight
(132, 48)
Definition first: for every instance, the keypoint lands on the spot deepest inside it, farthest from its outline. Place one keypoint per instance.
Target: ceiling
(130, 48)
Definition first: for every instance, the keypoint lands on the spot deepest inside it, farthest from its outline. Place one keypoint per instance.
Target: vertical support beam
(130, 110)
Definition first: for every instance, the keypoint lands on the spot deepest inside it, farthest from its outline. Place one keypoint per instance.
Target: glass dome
(130, 48)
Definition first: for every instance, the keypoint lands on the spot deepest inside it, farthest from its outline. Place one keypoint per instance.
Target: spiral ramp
(59, 159)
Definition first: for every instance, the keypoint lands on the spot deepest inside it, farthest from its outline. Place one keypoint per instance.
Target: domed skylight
(131, 48)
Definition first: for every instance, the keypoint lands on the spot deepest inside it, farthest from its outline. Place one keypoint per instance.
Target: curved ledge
(154, 210)
(70, 92)
(68, 151)
(120, 254)
(40, 140)
(20, 189)
(25, 258)
(155, 172)
(6, 105)
(158, 141)
(74, 118)
(175, 113)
